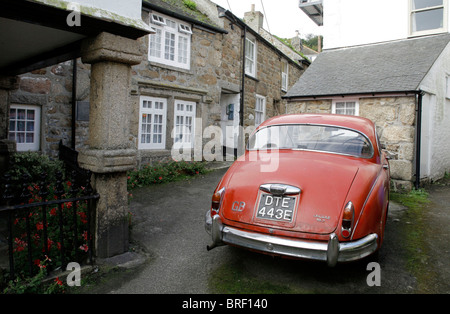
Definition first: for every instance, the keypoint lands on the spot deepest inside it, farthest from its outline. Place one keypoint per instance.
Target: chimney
(254, 19)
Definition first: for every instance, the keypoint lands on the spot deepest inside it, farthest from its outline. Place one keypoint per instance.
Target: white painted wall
(436, 120)
(123, 12)
(358, 22)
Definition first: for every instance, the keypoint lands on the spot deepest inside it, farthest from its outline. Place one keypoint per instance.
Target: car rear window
(320, 138)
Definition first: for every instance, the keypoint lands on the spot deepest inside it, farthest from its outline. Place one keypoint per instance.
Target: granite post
(111, 151)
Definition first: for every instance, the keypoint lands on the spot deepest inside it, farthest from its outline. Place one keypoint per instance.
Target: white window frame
(184, 124)
(284, 75)
(347, 103)
(260, 109)
(27, 127)
(413, 11)
(148, 135)
(171, 44)
(250, 56)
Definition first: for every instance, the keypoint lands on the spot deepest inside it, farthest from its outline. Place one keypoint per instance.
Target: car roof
(361, 124)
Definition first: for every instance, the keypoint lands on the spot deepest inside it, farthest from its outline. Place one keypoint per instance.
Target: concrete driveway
(168, 224)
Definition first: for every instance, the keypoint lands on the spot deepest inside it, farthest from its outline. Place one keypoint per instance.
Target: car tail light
(216, 201)
(347, 220)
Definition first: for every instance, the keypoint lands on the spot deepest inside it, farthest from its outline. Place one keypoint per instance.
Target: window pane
(155, 44)
(170, 47)
(20, 138)
(427, 20)
(30, 126)
(21, 126)
(30, 138)
(21, 114)
(420, 4)
(30, 114)
(182, 49)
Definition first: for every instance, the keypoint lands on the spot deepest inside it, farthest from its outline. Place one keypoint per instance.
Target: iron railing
(48, 220)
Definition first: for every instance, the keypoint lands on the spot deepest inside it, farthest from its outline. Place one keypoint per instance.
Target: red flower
(83, 217)
(160, 178)
(20, 245)
(39, 226)
(53, 212)
(58, 281)
(84, 247)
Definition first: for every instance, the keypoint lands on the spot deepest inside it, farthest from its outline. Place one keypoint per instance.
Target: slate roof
(397, 66)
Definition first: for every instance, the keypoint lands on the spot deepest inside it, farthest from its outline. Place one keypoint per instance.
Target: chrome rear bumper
(331, 252)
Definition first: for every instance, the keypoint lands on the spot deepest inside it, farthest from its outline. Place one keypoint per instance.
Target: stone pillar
(111, 151)
(7, 147)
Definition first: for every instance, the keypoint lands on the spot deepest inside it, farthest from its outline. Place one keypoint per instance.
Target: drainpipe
(74, 99)
(241, 104)
(419, 137)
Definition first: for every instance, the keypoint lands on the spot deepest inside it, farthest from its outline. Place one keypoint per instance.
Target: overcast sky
(281, 17)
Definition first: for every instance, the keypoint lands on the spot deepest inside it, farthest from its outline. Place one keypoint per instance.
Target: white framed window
(284, 76)
(171, 44)
(152, 123)
(184, 124)
(428, 16)
(260, 110)
(250, 57)
(25, 127)
(346, 107)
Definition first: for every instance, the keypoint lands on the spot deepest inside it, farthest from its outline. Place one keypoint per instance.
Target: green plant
(34, 164)
(34, 284)
(163, 172)
(190, 4)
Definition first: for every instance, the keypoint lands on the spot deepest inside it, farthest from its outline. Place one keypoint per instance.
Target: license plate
(277, 208)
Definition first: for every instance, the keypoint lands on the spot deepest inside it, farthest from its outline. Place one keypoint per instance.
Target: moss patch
(233, 278)
(414, 233)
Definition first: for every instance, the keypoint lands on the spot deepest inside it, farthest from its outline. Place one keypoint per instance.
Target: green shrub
(34, 164)
(163, 172)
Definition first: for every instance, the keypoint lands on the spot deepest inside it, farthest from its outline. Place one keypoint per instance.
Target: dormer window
(158, 20)
(184, 29)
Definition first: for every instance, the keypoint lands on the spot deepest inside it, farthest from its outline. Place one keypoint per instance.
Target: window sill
(251, 77)
(170, 67)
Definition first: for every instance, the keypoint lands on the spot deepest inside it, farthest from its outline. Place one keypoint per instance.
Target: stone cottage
(402, 86)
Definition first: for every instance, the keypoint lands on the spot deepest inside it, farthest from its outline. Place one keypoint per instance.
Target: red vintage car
(309, 186)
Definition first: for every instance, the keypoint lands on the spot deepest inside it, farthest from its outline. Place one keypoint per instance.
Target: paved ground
(168, 224)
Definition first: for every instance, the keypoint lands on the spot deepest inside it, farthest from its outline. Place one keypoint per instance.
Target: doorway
(229, 124)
